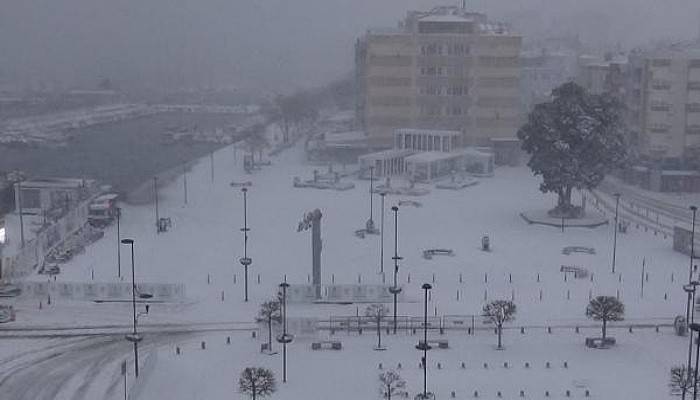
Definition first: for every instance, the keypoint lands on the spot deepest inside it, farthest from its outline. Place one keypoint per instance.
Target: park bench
(578, 272)
(328, 344)
(439, 343)
(599, 343)
(578, 249)
(429, 253)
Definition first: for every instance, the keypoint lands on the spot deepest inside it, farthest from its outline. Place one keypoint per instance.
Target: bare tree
(257, 382)
(391, 384)
(499, 312)
(681, 381)
(377, 311)
(605, 308)
(270, 312)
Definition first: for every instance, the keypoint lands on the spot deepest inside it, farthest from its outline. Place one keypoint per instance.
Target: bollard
(510, 278)
(453, 394)
(665, 296)
(460, 277)
(228, 339)
(486, 366)
(505, 364)
(464, 365)
(630, 329)
(522, 330)
(398, 366)
(549, 329)
(657, 329)
(409, 278)
(204, 345)
(208, 279)
(380, 366)
(439, 366)
(546, 393)
(48, 301)
(222, 296)
(522, 393)
(498, 394)
(258, 279)
(40, 306)
(177, 350)
(527, 365)
(253, 334)
(547, 365)
(538, 277)
(476, 393)
(568, 393)
(577, 330)
(587, 393)
(540, 294)
(566, 364)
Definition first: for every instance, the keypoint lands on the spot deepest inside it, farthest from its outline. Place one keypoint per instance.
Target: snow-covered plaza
(203, 247)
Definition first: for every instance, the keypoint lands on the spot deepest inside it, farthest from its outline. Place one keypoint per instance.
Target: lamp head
(395, 208)
(693, 208)
(427, 286)
(244, 189)
(695, 327)
(127, 241)
(284, 285)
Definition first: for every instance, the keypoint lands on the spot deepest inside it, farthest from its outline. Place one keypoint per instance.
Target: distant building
(445, 69)
(542, 71)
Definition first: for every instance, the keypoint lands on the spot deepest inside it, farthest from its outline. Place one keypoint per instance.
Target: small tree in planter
(377, 311)
(391, 384)
(269, 312)
(499, 312)
(605, 308)
(257, 382)
(681, 381)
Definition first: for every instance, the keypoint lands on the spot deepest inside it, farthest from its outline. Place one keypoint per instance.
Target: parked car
(7, 314)
(9, 290)
(50, 269)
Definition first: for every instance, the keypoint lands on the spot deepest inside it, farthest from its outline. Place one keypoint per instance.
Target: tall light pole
(395, 290)
(155, 193)
(119, 250)
(617, 204)
(694, 209)
(696, 328)
(245, 260)
(381, 237)
(690, 290)
(370, 221)
(423, 346)
(21, 217)
(285, 338)
(184, 181)
(134, 337)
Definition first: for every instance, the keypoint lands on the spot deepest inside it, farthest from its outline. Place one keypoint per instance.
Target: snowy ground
(205, 241)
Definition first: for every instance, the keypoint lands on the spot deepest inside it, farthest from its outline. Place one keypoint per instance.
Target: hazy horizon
(271, 46)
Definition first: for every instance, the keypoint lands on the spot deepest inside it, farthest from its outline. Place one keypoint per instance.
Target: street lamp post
(696, 328)
(155, 193)
(285, 338)
(21, 217)
(694, 209)
(395, 290)
(690, 290)
(119, 252)
(134, 337)
(617, 204)
(423, 346)
(370, 221)
(245, 260)
(184, 181)
(381, 237)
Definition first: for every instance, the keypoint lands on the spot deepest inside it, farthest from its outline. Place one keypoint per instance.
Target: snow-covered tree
(257, 382)
(500, 312)
(605, 308)
(681, 381)
(269, 313)
(391, 384)
(574, 140)
(377, 311)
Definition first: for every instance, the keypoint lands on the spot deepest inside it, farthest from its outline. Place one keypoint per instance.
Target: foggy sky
(273, 45)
